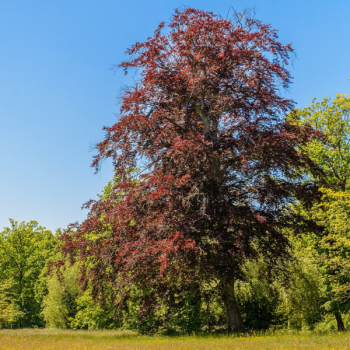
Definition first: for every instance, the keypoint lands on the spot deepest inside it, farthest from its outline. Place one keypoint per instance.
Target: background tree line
(310, 291)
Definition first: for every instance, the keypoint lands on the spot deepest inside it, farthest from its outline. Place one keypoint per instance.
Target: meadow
(54, 339)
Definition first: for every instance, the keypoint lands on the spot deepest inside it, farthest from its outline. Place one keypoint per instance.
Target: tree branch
(204, 117)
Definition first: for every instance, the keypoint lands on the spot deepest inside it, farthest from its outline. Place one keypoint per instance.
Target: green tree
(24, 250)
(90, 314)
(333, 249)
(9, 312)
(59, 305)
(332, 118)
(65, 303)
(287, 296)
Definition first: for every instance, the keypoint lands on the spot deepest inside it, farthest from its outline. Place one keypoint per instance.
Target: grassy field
(68, 339)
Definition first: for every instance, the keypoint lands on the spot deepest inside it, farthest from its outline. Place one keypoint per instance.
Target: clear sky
(57, 89)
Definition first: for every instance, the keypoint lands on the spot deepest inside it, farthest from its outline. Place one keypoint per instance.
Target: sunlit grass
(104, 339)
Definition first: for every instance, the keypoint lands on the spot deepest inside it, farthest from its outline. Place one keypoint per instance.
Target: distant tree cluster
(229, 208)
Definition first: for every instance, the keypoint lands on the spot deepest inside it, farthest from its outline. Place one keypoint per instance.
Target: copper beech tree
(220, 164)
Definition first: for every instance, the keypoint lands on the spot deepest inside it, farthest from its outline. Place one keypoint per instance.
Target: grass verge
(40, 339)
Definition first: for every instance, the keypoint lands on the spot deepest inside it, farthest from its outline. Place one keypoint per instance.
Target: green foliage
(24, 250)
(258, 298)
(91, 315)
(287, 297)
(9, 311)
(60, 304)
(331, 252)
(190, 317)
(66, 306)
(333, 249)
(333, 154)
(192, 313)
(301, 298)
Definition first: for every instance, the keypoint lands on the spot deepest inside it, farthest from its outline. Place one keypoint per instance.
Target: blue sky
(57, 89)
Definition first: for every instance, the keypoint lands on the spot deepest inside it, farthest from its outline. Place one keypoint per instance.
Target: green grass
(103, 339)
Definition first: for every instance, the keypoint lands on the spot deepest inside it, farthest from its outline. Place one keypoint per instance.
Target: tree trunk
(233, 316)
(340, 322)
